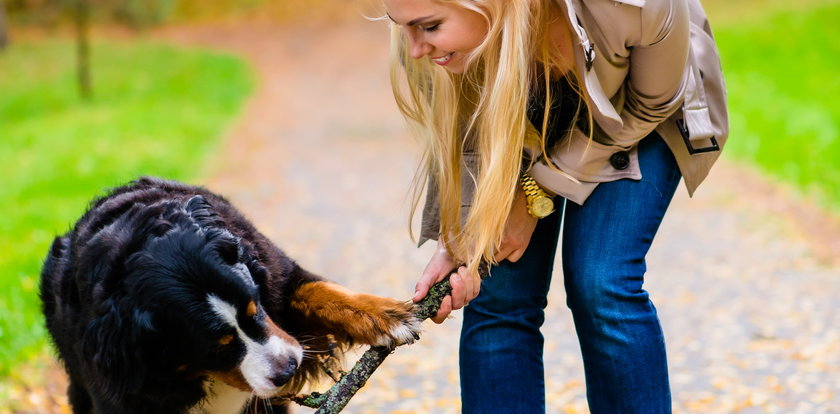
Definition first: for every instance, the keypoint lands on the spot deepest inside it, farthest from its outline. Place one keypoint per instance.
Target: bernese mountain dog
(164, 299)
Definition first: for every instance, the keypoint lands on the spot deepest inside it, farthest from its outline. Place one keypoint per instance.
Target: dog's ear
(110, 339)
(100, 260)
(115, 343)
(203, 213)
(227, 247)
(258, 272)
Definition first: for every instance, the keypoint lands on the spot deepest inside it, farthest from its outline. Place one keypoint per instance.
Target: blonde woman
(540, 112)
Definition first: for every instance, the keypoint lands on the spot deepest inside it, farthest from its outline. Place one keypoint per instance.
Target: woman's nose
(417, 47)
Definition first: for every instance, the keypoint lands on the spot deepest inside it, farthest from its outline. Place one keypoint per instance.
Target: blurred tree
(133, 13)
(143, 13)
(82, 19)
(4, 33)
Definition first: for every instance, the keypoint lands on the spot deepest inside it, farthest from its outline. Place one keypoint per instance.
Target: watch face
(542, 206)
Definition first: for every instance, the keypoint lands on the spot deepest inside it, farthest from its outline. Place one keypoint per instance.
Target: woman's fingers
(504, 251)
(459, 290)
(475, 280)
(469, 286)
(472, 284)
(514, 256)
(444, 310)
(465, 287)
(422, 287)
(438, 267)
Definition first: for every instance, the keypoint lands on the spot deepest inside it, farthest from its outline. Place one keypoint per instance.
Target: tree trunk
(4, 30)
(82, 18)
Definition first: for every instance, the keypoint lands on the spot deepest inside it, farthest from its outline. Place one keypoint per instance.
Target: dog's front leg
(356, 317)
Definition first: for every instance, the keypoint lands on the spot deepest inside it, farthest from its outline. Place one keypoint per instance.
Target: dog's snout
(284, 373)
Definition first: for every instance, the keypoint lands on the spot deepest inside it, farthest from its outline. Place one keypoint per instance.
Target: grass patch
(157, 110)
(781, 72)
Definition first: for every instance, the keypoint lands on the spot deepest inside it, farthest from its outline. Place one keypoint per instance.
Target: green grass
(781, 68)
(157, 110)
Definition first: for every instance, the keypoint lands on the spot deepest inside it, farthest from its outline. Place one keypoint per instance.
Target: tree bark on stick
(336, 398)
(82, 20)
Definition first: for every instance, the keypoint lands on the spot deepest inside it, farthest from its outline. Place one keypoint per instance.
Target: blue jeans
(604, 246)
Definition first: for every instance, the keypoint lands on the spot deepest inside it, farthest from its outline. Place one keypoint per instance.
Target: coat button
(620, 160)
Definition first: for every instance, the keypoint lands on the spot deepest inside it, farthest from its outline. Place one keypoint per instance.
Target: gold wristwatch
(539, 203)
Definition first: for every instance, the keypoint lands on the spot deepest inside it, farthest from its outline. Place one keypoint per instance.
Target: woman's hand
(518, 230)
(465, 287)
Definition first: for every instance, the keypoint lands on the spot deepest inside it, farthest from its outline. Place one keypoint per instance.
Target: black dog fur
(163, 296)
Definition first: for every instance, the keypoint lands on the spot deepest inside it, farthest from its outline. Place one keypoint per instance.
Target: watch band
(539, 202)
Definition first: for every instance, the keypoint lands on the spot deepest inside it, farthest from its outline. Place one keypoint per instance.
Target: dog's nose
(284, 374)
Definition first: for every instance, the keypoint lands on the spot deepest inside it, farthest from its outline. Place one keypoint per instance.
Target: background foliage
(783, 83)
(147, 13)
(157, 110)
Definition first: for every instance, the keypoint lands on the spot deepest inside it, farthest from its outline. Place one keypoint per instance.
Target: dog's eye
(225, 340)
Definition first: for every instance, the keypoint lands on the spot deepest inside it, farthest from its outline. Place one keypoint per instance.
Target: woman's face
(443, 32)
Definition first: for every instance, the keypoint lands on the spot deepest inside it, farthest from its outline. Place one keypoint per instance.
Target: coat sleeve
(430, 222)
(655, 84)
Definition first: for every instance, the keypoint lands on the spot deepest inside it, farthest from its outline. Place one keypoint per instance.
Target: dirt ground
(744, 275)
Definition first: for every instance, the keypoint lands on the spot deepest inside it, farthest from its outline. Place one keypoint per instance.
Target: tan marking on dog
(233, 377)
(252, 309)
(225, 339)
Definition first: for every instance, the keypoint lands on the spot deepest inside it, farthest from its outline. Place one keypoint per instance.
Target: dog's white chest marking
(221, 399)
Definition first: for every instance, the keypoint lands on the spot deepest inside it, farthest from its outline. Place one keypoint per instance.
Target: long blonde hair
(485, 110)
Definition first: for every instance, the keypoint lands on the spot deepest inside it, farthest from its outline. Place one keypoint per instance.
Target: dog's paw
(381, 321)
(358, 317)
(401, 326)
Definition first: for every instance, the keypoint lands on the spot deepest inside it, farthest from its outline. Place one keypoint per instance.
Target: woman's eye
(432, 28)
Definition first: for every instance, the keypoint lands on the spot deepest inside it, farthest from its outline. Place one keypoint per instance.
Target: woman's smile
(443, 60)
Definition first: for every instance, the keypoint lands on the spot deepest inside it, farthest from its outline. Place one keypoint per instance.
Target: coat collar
(585, 57)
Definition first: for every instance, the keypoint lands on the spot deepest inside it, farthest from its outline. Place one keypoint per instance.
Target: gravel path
(745, 278)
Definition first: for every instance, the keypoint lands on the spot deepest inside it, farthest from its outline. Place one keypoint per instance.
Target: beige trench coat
(647, 65)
